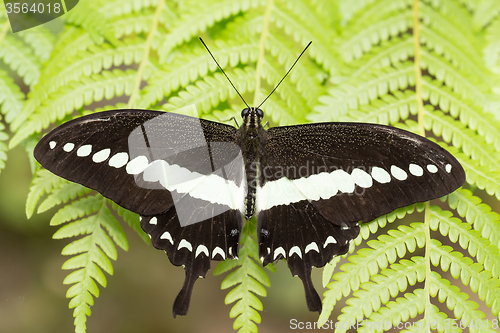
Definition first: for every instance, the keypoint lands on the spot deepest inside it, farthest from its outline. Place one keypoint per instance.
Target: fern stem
(427, 286)
(262, 43)
(421, 129)
(418, 70)
(145, 56)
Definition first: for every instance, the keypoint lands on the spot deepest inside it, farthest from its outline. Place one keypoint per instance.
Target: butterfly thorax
(251, 137)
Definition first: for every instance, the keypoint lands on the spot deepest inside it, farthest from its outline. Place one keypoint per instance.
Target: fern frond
(248, 281)
(453, 53)
(365, 89)
(480, 280)
(119, 8)
(457, 12)
(41, 41)
(19, 58)
(87, 15)
(478, 247)
(469, 114)
(436, 319)
(399, 311)
(307, 84)
(351, 8)
(302, 23)
(455, 299)
(485, 12)
(295, 102)
(441, 22)
(491, 52)
(43, 183)
(194, 65)
(70, 43)
(329, 269)
(211, 91)
(361, 68)
(367, 229)
(133, 24)
(132, 220)
(323, 54)
(328, 13)
(64, 192)
(91, 254)
(200, 18)
(303, 11)
(388, 53)
(389, 109)
(389, 283)
(481, 176)
(366, 262)
(11, 97)
(73, 211)
(107, 85)
(361, 40)
(472, 144)
(465, 85)
(82, 65)
(94, 61)
(277, 110)
(477, 214)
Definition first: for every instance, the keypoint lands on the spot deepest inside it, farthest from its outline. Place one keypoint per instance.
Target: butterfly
(195, 181)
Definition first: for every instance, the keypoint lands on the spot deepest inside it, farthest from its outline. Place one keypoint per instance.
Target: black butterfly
(193, 180)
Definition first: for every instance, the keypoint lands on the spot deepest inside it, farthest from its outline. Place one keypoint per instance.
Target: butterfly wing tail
(194, 270)
(303, 271)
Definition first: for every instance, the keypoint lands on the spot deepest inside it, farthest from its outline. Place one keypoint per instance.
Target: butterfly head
(252, 116)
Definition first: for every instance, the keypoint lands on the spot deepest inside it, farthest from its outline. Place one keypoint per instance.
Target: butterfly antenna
(223, 72)
(284, 76)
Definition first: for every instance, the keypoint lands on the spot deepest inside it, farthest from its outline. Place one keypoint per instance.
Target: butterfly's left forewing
(183, 175)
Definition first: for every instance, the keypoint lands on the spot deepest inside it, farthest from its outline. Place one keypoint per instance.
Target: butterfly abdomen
(251, 138)
(252, 183)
